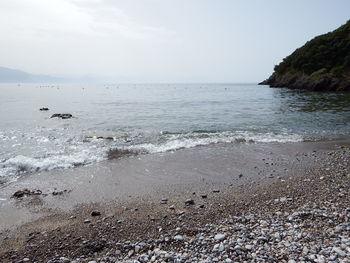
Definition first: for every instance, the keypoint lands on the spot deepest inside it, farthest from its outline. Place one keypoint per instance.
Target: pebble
(130, 253)
(189, 202)
(249, 247)
(95, 213)
(200, 205)
(339, 251)
(220, 237)
(178, 238)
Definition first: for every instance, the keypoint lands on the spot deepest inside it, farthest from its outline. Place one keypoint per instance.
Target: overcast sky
(161, 40)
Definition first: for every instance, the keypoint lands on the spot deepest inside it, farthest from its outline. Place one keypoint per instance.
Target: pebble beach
(299, 217)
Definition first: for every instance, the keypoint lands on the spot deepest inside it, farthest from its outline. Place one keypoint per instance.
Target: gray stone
(131, 252)
(178, 238)
(220, 237)
(95, 213)
(189, 202)
(339, 251)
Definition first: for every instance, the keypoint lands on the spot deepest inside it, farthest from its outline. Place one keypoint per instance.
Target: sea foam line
(92, 153)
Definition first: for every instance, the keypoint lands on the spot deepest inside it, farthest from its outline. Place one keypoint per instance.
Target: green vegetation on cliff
(323, 63)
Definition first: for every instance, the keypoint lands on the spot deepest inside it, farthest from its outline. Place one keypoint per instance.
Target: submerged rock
(62, 115)
(24, 192)
(60, 192)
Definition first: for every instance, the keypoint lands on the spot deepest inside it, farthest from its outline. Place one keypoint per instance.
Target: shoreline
(269, 173)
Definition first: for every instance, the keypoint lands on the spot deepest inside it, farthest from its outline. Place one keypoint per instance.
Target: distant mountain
(321, 64)
(11, 75)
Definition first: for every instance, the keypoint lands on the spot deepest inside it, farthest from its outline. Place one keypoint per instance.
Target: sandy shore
(189, 206)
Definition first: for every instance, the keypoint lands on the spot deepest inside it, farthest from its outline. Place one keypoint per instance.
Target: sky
(160, 40)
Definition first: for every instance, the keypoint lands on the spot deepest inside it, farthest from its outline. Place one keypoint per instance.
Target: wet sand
(148, 176)
(132, 188)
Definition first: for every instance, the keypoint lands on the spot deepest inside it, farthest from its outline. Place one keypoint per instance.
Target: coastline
(301, 81)
(128, 193)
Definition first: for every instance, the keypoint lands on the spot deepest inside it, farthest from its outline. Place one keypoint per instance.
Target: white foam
(43, 140)
(175, 142)
(87, 153)
(21, 164)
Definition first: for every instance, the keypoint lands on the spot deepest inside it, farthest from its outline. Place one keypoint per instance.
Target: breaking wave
(92, 152)
(181, 141)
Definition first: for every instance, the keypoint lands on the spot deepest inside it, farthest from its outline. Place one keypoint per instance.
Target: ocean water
(115, 120)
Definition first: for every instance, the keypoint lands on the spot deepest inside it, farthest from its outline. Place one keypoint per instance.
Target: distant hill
(321, 64)
(11, 75)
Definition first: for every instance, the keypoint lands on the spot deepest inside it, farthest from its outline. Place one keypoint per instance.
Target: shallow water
(151, 118)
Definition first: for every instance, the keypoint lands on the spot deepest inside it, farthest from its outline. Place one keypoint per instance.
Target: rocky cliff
(323, 63)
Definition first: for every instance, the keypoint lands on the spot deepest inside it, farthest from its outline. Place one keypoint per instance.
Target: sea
(112, 121)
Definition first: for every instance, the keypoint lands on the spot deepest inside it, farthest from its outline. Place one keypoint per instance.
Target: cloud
(107, 18)
(97, 18)
(78, 37)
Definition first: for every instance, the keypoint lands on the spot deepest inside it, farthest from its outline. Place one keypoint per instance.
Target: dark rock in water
(62, 115)
(95, 213)
(110, 138)
(44, 109)
(240, 175)
(117, 154)
(66, 116)
(36, 192)
(21, 193)
(24, 192)
(189, 202)
(56, 115)
(204, 196)
(61, 192)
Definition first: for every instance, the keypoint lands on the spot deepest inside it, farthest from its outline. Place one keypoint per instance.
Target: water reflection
(304, 101)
